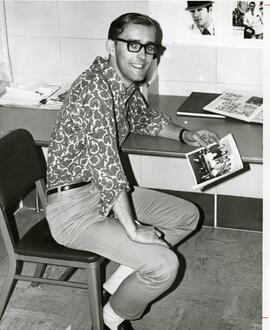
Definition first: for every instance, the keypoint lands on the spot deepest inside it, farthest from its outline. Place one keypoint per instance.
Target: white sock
(111, 319)
(121, 273)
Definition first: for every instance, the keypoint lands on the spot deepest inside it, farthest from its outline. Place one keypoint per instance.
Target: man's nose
(196, 13)
(141, 53)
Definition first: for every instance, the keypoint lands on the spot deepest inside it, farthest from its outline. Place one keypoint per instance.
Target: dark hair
(118, 26)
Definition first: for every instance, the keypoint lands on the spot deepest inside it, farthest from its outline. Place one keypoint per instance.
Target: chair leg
(94, 294)
(39, 271)
(15, 267)
(37, 202)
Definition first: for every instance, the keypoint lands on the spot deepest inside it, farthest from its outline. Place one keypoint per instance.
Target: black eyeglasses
(135, 46)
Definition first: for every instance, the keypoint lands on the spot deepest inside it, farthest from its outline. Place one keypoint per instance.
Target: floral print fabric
(95, 119)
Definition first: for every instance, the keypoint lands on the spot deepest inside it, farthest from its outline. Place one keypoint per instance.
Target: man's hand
(199, 138)
(147, 235)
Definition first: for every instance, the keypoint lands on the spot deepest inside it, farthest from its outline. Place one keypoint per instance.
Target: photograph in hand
(215, 161)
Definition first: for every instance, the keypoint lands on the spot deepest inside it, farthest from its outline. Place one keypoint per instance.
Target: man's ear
(110, 45)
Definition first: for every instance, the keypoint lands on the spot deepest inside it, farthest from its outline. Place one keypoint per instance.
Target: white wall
(54, 41)
(194, 62)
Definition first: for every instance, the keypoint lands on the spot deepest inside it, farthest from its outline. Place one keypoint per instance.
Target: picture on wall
(210, 23)
(201, 13)
(247, 19)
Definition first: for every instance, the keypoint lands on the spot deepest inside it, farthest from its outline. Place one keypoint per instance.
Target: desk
(157, 161)
(38, 122)
(234, 203)
(248, 136)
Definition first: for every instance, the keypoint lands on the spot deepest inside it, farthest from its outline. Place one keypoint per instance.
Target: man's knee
(191, 217)
(162, 270)
(194, 215)
(170, 263)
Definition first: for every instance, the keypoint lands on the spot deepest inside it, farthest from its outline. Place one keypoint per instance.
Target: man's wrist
(131, 229)
(182, 134)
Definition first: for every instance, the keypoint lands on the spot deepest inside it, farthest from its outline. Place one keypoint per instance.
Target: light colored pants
(75, 222)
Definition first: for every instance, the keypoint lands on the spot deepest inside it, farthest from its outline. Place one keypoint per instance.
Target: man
(253, 22)
(90, 204)
(201, 12)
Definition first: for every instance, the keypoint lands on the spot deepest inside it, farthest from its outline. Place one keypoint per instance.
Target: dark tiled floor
(220, 290)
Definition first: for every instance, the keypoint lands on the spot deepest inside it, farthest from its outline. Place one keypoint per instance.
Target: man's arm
(194, 138)
(137, 232)
(148, 121)
(122, 211)
(171, 131)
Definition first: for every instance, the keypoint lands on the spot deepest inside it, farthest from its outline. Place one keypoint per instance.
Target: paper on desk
(55, 101)
(28, 95)
(17, 97)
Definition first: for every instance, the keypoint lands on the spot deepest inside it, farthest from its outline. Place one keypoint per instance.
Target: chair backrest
(22, 163)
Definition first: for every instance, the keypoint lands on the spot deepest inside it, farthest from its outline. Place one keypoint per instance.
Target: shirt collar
(103, 67)
(211, 28)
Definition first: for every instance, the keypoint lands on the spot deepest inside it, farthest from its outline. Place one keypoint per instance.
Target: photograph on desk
(215, 161)
(248, 108)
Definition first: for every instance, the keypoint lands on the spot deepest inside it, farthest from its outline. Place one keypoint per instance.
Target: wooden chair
(23, 167)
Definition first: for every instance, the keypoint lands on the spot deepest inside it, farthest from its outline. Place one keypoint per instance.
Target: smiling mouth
(138, 66)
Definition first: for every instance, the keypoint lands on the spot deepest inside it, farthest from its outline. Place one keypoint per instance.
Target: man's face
(252, 6)
(201, 16)
(133, 66)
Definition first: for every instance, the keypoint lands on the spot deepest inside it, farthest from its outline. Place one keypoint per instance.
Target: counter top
(248, 136)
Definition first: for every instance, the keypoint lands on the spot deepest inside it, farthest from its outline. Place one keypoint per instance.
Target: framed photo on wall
(202, 16)
(247, 19)
(210, 23)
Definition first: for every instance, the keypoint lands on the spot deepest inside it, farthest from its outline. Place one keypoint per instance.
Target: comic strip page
(247, 108)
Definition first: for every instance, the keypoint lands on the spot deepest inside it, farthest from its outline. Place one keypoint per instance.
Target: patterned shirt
(92, 124)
